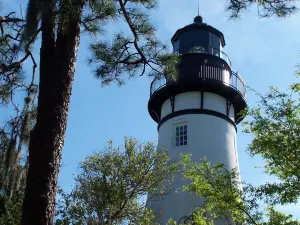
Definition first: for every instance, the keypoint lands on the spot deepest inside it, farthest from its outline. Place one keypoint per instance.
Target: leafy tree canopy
(225, 199)
(111, 184)
(275, 126)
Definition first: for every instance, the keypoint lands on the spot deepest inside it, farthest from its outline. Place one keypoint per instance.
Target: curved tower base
(208, 136)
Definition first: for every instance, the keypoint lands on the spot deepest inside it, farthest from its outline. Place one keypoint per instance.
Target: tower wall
(192, 100)
(208, 135)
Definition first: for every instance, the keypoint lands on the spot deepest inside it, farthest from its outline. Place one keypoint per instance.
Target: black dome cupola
(198, 37)
(203, 67)
(198, 19)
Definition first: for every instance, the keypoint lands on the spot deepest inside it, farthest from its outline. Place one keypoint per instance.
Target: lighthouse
(198, 112)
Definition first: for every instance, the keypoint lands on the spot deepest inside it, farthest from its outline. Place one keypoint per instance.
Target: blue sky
(264, 51)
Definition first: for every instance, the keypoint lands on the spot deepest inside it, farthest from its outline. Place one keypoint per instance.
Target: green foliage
(110, 185)
(10, 209)
(275, 126)
(14, 134)
(11, 74)
(265, 8)
(221, 190)
(136, 54)
(278, 218)
(96, 13)
(224, 198)
(14, 138)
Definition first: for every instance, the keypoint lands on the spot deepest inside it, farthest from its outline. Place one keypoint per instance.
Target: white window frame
(180, 134)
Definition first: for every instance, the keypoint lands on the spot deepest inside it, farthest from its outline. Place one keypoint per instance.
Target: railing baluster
(206, 72)
(215, 77)
(201, 71)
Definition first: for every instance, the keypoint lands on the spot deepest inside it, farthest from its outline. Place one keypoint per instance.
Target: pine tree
(61, 24)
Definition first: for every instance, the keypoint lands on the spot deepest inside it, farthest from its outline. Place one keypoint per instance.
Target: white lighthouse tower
(198, 112)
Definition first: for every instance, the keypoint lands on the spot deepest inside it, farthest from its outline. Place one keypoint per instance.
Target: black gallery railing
(206, 72)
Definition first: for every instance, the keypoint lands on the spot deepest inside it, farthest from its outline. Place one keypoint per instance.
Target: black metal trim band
(195, 111)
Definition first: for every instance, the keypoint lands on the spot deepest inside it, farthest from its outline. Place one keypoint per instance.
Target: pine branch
(138, 54)
(133, 30)
(265, 8)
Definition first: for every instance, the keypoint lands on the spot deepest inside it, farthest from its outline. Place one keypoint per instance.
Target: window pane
(176, 45)
(180, 135)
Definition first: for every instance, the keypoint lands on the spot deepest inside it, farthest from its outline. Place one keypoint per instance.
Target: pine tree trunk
(57, 67)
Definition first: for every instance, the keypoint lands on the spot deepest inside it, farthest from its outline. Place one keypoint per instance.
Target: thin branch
(7, 19)
(132, 28)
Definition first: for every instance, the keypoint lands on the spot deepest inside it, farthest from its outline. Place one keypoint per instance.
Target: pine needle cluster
(265, 8)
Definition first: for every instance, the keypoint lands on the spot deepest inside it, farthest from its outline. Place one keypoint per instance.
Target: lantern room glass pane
(176, 46)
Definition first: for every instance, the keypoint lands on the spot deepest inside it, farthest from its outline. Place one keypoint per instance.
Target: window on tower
(176, 47)
(180, 135)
